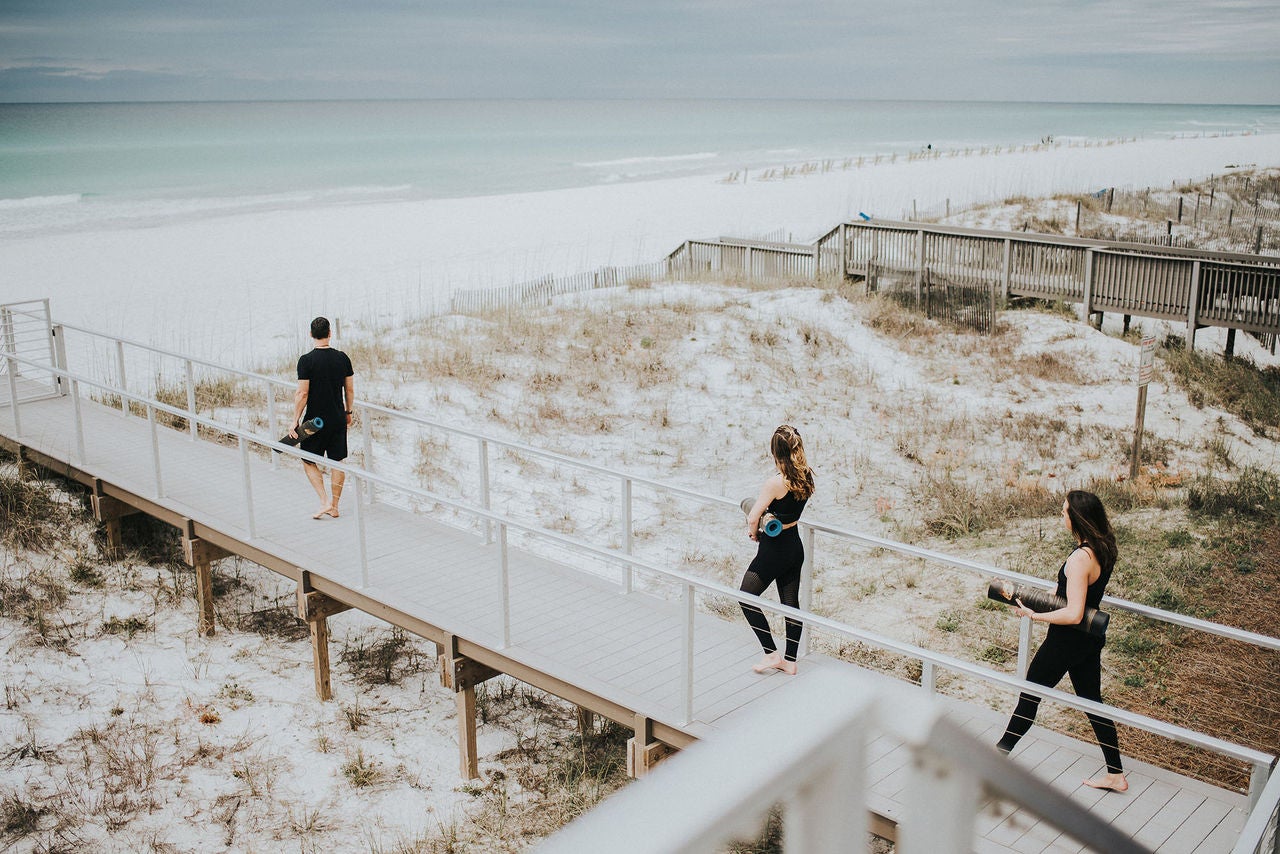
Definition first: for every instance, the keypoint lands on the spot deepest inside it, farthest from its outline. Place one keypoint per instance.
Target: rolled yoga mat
(1040, 601)
(305, 430)
(770, 525)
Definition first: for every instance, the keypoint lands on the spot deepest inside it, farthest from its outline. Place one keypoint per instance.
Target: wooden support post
(1007, 274)
(586, 721)
(204, 596)
(108, 512)
(1193, 306)
(316, 608)
(200, 554)
(320, 656)
(644, 752)
(1087, 307)
(1230, 352)
(463, 674)
(1127, 319)
(26, 468)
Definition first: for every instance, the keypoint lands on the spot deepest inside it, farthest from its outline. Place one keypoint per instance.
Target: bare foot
(1109, 782)
(787, 667)
(327, 510)
(770, 661)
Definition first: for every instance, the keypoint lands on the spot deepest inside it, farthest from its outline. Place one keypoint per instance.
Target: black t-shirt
(327, 370)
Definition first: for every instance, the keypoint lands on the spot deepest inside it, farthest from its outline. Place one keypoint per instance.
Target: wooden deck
(573, 633)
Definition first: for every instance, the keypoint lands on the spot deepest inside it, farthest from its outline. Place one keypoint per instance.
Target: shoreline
(244, 285)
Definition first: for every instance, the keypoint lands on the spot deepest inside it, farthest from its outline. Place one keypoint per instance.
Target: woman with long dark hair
(779, 559)
(1082, 580)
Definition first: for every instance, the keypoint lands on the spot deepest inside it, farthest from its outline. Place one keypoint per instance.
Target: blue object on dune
(864, 216)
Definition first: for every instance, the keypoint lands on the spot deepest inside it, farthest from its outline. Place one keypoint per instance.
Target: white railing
(805, 748)
(1261, 833)
(690, 587)
(628, 481)
(25, 330)
(931, 663)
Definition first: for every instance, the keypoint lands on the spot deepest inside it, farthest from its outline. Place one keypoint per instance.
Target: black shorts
(331, 443)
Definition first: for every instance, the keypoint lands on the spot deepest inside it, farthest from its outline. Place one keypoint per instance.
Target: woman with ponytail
(779, 559)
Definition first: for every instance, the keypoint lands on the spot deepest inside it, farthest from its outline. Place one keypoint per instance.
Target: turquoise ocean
(76, 166)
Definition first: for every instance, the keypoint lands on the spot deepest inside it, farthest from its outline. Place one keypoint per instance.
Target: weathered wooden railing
(1225, 289)
(732, 257)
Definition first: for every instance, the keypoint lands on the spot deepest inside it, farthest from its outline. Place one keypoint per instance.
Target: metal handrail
(985, 570)
(1260, 761)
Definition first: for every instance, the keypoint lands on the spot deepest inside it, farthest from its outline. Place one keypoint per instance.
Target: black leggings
(1058, 656)
(778, 559)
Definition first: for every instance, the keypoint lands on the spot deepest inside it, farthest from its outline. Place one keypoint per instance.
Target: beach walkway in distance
(569, 632)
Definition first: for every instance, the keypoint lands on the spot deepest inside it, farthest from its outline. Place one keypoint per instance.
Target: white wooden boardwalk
(572, 627)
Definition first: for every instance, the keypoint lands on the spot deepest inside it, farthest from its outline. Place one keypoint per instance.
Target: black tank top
(1093, 593)
(787, 508)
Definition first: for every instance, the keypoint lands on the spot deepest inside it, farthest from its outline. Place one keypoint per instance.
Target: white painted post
(821, 818)
(58, 350)
(155, 450)
(686, 690)
(486, 525)
(248, 486)
(928, 677)
(273, 427)
(806, 585)
(505, 580)
(1258, 777)
(941, 802)
(191, 399)
(626, 532)
(124, 382)
(1024, 646)
(13, 395)
(7, 340)
(364, 551)
(366, 434)
(75, 403)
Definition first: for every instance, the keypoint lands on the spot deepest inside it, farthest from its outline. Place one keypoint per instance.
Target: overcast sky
(1210, 51)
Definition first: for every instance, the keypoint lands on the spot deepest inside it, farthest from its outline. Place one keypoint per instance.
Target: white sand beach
(241, 288)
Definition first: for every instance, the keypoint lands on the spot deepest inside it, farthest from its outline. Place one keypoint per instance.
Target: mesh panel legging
(1066, 651)
(778, 559)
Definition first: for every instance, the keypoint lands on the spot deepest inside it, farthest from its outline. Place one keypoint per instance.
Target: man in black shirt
(326, 389)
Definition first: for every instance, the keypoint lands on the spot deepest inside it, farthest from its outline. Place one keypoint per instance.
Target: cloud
(628, 48)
